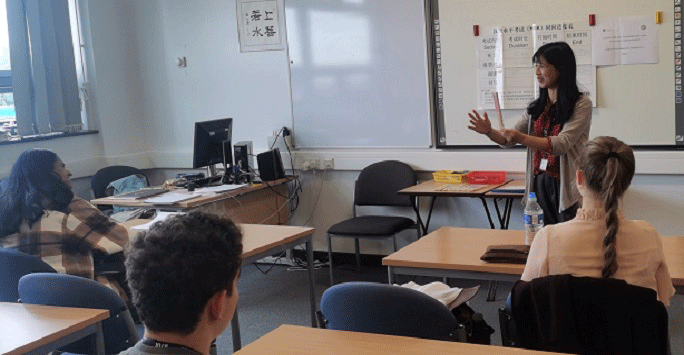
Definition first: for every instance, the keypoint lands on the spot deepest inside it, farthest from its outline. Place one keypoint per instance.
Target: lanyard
(161, 344)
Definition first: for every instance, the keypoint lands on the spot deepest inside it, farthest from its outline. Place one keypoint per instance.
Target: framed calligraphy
(261, 25)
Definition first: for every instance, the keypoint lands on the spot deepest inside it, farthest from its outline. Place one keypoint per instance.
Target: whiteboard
(359, 73)
(636, 103)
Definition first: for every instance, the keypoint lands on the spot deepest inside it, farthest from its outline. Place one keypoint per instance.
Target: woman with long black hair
(40, 215)
(554, 128)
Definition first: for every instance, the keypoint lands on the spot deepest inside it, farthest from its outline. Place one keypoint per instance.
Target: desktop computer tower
(271, 165)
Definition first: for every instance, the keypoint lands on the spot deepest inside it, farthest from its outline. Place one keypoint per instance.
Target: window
(40, 67)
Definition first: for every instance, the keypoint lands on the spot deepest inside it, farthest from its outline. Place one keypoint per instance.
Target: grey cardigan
(569, 144)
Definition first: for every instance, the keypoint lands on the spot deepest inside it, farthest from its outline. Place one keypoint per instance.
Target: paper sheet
(625, 40)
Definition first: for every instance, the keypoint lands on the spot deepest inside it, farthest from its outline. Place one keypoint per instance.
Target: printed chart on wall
(482, 51)
(504, 59)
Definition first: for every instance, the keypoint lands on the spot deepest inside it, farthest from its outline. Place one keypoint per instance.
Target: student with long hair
(40, 215)
(599, 242)
(554, 128)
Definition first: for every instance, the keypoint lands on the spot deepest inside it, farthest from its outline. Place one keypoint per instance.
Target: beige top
(576, 247)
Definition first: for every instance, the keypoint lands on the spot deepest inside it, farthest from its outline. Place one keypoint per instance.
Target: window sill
(45, 137)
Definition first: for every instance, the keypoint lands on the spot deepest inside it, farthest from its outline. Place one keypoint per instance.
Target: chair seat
(371, 226)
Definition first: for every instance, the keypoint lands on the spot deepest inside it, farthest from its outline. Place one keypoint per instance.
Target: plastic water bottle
(534, 218)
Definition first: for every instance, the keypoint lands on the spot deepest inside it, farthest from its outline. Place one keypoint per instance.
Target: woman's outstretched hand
(480, 124)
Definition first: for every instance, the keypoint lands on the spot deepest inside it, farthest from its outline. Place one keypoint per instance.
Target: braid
(610, 203)
(608, 166)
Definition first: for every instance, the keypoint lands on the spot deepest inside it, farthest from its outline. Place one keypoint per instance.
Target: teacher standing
(554, 128)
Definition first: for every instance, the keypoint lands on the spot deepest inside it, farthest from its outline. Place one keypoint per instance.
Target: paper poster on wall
(626, 40)
(261, 25)
(504, 59)
(578, 37)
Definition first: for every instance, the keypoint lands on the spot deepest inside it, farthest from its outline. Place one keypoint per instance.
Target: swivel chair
(385, 309)
(62, 290)
(15, 264)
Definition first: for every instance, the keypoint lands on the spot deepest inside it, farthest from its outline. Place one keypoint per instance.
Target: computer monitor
(213, 145)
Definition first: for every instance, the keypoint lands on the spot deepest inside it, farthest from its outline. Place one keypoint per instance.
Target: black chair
(386, 309)
(13, 265)
(104, 176)
(62, 290)
(377, 185)
(563, 313)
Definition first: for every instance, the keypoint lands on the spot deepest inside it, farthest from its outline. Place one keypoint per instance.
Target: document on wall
(505, 67)
(579, 37)
(261, 25)
(625, 40)
(504, 59)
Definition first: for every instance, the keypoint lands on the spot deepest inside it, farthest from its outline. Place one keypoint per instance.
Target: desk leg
(310, 266)
(489, 215)
(427, 222)
(99, 340)
(235, 327)
(390, 278)
(498, 213)
(416, 207)
(507, 212)
(491, 295)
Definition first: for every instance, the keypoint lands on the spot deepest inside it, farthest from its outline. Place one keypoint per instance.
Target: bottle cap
(532, 195)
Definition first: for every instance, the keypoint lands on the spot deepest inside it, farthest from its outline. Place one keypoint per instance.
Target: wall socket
(317, 164)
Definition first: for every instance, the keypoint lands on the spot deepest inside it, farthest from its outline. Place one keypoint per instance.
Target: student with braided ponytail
(599, 242)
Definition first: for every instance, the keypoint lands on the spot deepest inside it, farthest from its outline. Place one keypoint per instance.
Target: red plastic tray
(486, 177)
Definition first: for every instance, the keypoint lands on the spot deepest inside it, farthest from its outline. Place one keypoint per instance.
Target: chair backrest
(378, 183)
(13, 265)
(564, 313)
(104, 176)
(386, 309)
(72, 291)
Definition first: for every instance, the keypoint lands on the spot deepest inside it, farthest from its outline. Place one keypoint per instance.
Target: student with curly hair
(183, 278)
(40, 215)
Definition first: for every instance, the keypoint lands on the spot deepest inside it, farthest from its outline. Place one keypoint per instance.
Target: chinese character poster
(261, 25)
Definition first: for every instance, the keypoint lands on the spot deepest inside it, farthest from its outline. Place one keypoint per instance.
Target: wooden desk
(262, 203)
(432, 189)
(298, 340)
(262, 240)
(455, 252)
(35, 329)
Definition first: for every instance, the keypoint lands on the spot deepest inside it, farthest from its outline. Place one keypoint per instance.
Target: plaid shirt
(66, 241)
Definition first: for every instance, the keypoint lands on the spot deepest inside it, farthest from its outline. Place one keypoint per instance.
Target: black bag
(476, 329)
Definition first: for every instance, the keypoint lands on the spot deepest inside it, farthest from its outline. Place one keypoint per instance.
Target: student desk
(435, 189)
(262, 240)
(36, 329)
(298, 340)
(262, 203)
(455, 253)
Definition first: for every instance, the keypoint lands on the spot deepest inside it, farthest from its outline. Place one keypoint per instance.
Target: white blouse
(576, 247)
